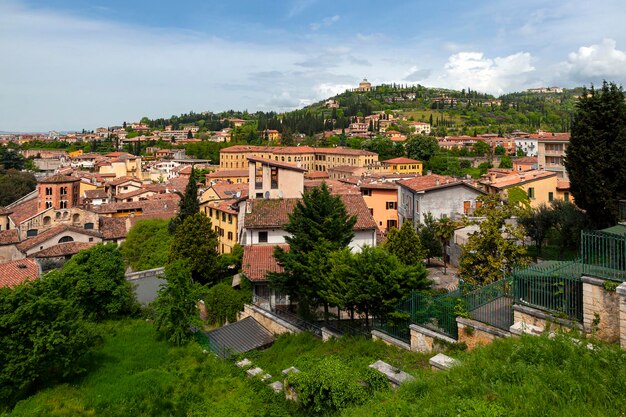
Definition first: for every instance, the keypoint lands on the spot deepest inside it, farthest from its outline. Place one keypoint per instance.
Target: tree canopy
(195, 242)
(147, 244)
(405, 244)
(594, 158)
(188, 205)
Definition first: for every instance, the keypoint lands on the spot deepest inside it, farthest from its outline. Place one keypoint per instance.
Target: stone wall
(274, 324)
(392, 341)
(425, 340)
(621, 292)
(600, 310)
(539, 318)
(474, 333)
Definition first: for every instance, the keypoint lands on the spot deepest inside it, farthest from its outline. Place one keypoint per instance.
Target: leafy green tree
(405, 244)
(147, 244)
(569, 221)
(506, 162)
(94, 280)
(223, 303)
(383, 146)
(176, 306)
(496, 248)
(594, 158)
(428, 237)
(319, 223)
(373, 281)
(43, 339)
(15, 185)
(520, 152)
(499, 150)
(481, 148)
(537, 223)
(10, 159)
(195, 242)
(422, 148)
(188, 205)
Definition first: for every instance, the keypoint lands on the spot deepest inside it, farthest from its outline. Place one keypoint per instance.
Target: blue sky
(68, 64)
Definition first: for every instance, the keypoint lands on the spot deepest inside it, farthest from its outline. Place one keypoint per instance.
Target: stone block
(442, 362)
(276, 386)
(254, 372)
(394, 375)
(244, 363)
(291, 369)
(520, 327)
(266, 377)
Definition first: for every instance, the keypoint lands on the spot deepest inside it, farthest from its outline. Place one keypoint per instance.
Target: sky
(70, 64)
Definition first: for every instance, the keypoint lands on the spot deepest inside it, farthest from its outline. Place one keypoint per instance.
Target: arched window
(76, 218)
(46, 221)
(65, 239)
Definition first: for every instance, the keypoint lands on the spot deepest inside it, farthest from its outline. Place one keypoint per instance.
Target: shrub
(223, 303)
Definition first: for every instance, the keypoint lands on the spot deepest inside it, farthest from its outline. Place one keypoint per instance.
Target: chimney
(492, 177)
(437, 182)
(429, 172)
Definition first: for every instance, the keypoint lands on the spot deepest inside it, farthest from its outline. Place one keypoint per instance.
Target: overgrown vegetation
(147, 244)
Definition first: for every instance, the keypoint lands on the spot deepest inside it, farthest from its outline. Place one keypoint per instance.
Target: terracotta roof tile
(428, 182)
(228, 173)
(62, 249)
(58, 179)
(16, 272)
(95, 194)
(270, 162)
(9, 237)
(114, 227)
(24, 210)
(258, 260)
(402, 161)
(274, 213)
(228, 190)
(50, 233)
(315, 175)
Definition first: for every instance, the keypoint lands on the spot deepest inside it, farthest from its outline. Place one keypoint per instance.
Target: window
(531, 192)
(230, 218)
(262, 237)
(566, 196)
(371, 211)
(65, 239)
(550, 196)
(31, 232)
(391, 223)
(223, 216)
(89, 226)
(48, 190)
(259, 195)
(230, 235)
(274, 178)
(210, 212)
(48, 204)
(391, 205)
(91, 239)
(367, 192)
(63, 204)
(63, 190)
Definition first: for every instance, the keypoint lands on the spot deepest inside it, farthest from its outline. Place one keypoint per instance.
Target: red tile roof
(517, 178)
(228, 173)
(24, 210)
(228, 190)
(5, 211)
(270, 162)
(428, 182)
(114, 227)
(274, 213)
(16, 272)
(58, 179)
(258, 260)
(9, 237)
(95, 194)
(401, 161)
(316, 175)
(55, 231)
(62, 249)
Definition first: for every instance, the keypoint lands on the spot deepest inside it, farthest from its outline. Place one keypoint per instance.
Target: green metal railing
(603, 255)
(491, 304)
(397, 328)
(435, 313)
(553, 286)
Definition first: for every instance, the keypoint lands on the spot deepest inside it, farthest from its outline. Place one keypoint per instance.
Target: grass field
(133, 374)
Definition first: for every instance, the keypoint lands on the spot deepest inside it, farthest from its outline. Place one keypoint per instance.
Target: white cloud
(602, 60)
(299, 6)
(497, 75)
(325, 22)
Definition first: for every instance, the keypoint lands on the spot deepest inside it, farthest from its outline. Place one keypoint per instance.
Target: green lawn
(133, 374)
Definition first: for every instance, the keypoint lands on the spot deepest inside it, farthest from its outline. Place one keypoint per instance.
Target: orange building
(58, 192)
(382, 201)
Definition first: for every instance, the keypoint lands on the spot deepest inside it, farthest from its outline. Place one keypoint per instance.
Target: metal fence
(397, 328)
(603, 255)
(436, 313)
(553, 286)
(491, 304)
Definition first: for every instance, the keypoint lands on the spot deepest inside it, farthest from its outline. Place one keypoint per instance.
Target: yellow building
(235, 176)
(401, 166)
(540, 186)
(224, 219)
(306, 157)
(75, 153)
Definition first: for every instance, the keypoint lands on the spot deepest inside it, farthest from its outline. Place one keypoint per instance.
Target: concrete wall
(601, 304)
(10, 253)
(274, 324)
(388, 340)
(474, 333)
(621, 292)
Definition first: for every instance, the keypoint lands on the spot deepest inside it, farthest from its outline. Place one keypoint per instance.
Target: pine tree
(188, 205)
(428, 237)
(319, 225)
(595, 157)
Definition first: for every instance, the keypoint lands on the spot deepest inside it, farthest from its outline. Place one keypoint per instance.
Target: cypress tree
(188, 205)
(595, 157)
